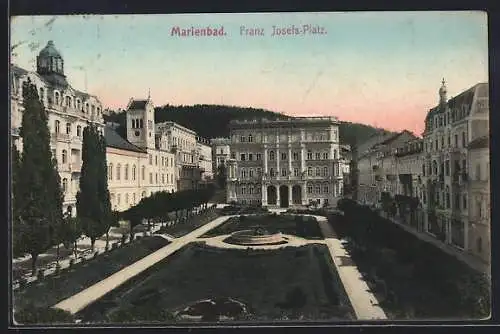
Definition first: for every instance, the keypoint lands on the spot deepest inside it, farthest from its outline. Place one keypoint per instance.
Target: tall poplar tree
(38, 187)
(17, 246)
(92, 201)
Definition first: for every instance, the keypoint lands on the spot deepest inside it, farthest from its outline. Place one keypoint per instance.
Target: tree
(17, 245)
(37, 186)
(221, 176)
(92, 200)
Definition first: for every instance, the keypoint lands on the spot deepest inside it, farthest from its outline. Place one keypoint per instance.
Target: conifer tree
(92, 200)
(38, 188)
(17, 246)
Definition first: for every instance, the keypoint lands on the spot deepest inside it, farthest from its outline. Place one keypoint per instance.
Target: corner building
(283, 163)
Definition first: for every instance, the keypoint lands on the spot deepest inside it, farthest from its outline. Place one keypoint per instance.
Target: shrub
(114, 245)
(71, 262)
(58, 269)
(96, 254)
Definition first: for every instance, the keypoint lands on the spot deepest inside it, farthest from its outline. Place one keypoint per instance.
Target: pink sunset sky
(382, 69)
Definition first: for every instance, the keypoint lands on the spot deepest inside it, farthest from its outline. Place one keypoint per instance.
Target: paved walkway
(364, 303)
(82, 299)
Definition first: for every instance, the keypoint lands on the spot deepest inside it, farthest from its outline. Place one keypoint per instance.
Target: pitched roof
(478, 143)
(138, 104)
(113, 139)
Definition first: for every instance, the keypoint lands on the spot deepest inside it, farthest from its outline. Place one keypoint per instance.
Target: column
(277, 194)
(278, 159)
(304, 193)
(302, 159)
(290, 159)
(290, 202)
(265, 159)
(264, 195)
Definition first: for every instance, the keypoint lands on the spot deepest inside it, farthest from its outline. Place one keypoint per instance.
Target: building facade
(221, 152)
(68, 109)
(285, 162)
(449, 128)
(204, 151)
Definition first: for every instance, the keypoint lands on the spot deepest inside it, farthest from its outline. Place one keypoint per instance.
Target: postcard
(249, 169)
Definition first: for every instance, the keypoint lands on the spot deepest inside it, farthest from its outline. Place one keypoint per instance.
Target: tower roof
(50, 51)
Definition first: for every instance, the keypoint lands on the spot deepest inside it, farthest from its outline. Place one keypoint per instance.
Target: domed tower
(50, 64)
(442, 93)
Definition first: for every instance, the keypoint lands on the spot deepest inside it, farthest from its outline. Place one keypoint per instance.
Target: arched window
(87, 108)
(78, 104)
(143, 173)
(64, 156)
(271, 171)
(250, 138)
(133, 173)
(68, 128)
(56, 98)
(335, 154)
(68, 101)
(250, 172)
(126, 172)
(434, 167)
(325, 171)
(79, 131)
(64, 185)
(118, 170)
(317, 171)
(309, 171)
(56, 126)
(110, 172)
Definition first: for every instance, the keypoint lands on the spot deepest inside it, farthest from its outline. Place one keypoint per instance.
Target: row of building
(447, 170)
(151, 157)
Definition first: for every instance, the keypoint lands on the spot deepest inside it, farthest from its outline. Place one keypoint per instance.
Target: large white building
(220, 151)
(285, 162)
(204, 150)
(152, 157)
(69, 110)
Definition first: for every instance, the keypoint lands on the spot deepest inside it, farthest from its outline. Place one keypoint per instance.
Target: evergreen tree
(221, 176)
(17, 246)
(37, 185)
(92, 200)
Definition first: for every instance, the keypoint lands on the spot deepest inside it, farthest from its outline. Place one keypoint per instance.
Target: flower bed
(53, 289)
(421, 281)
(301, 226)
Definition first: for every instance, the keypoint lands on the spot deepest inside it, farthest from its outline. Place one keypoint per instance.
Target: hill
(211, 121)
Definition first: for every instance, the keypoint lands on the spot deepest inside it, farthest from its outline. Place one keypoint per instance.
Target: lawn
(290, 283)
(53, 289)
(184, 227)
(303, 226)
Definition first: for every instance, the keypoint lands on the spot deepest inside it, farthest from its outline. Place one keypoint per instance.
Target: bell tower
(141, 123)
(443, 93)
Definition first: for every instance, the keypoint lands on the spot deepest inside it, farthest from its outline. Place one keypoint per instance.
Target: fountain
(258, 236)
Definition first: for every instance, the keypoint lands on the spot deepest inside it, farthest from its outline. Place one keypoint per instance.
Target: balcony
(58, 136)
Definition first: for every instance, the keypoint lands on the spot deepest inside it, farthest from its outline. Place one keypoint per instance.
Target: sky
(377, 68)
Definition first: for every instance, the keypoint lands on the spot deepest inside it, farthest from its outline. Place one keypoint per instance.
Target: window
(318, 171)
(126, 198)
(423, 170)
(150, 159)
(309, 171)
(325, 189)
(447, 167)
(150, 178)
(56, 126)
(442, 142)
(325, 171)
(309, 189)
(478, 172)
(271, 171)
(283, 156)
(309, 155)
(156, 178)
(126, 172)
(250, 172)
(479, 244)
(250, 139)
(133, 198)
(283, 172)
(79, 131)
(449, 140)
(271, 155)
(143, 173)
(242, 157)
(295, 156)
(118, 199)
(65, 185)
(457, 201)
(64, 156)
(463, 139)
(325, 155)
(295, 172)
(242, 139)
(318, 155)
(258, 156)
(243, 173)
(156, 160)
(317, 189)
(133, 173)
(464, 201)
(56, 97)
(118, 170)
(456, 140)
(259, 171)
(250, 157)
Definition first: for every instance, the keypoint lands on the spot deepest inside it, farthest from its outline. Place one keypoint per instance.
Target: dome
(442, 89)
(50, 51)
